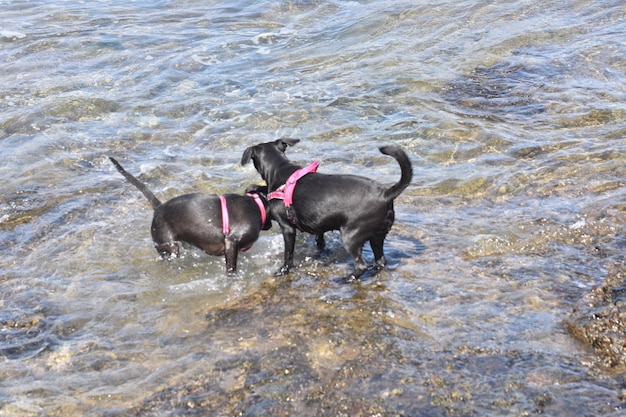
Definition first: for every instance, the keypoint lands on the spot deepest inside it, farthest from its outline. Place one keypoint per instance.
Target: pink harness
(226, 220)
(285, 191)
(259, 203)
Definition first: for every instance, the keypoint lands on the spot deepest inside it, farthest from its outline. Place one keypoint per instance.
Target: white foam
(579, 224)
(205, 285)
(211, 60)
(11, 34)
(264, 37)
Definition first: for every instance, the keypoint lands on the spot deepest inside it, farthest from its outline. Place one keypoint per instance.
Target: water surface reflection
(514, 119)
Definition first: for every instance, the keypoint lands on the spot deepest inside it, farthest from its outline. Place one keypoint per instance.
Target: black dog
(360, 208)
(198, 219)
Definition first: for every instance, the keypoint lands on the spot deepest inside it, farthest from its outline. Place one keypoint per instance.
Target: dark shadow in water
(497, 92)
(25, 325)
(397, 248)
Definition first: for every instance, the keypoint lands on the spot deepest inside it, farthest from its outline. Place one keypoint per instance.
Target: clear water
(512, 112)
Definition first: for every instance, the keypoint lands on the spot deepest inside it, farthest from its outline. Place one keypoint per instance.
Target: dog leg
(377, 247)
(230, 253)
(321, 244)
(167, 250)
(164, 240)
(354, 246)
(289, 238)
(360, 267)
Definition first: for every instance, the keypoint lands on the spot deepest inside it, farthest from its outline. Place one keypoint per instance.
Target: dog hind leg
(360, 267)
(167, 250)
(378, 240)
(377, 243)
(354, 246)
(164, 240)
(321, 244)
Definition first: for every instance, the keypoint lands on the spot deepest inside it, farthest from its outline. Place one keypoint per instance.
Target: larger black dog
(360, 208)
(197, 219)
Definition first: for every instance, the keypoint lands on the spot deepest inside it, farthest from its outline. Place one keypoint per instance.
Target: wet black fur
(197, 219)
(359, 207)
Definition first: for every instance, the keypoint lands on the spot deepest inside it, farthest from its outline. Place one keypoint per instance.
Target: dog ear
(282, 143)
(247, 154)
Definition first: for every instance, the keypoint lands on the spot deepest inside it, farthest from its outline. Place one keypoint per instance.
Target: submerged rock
(24, 329)
(356, 354)
(599, 321)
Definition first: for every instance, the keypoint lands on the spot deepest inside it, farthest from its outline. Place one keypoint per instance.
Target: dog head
(267, 156)
(256, 152)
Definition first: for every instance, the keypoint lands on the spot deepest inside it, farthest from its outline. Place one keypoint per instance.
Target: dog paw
(350, 279)
(284, 270)
(354, 277)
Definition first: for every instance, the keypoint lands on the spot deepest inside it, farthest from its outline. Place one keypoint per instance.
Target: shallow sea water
(512, 113)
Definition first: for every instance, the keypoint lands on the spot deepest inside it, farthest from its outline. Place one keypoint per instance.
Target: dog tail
(142, 187)
(405, 166)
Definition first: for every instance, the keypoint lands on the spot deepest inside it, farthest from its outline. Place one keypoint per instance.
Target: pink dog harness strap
(225, 219)
(259, 203)
(285, 191)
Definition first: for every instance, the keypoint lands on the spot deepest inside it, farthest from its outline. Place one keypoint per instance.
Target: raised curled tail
(142, 187)
(405, 167)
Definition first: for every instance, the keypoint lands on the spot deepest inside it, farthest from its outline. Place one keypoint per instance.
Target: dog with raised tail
(300, 198)
(219, 225)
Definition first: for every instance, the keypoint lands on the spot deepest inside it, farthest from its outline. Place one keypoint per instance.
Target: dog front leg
(230, 252)
(289, 238)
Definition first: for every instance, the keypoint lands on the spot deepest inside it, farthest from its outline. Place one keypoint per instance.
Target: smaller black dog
(217, 225)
